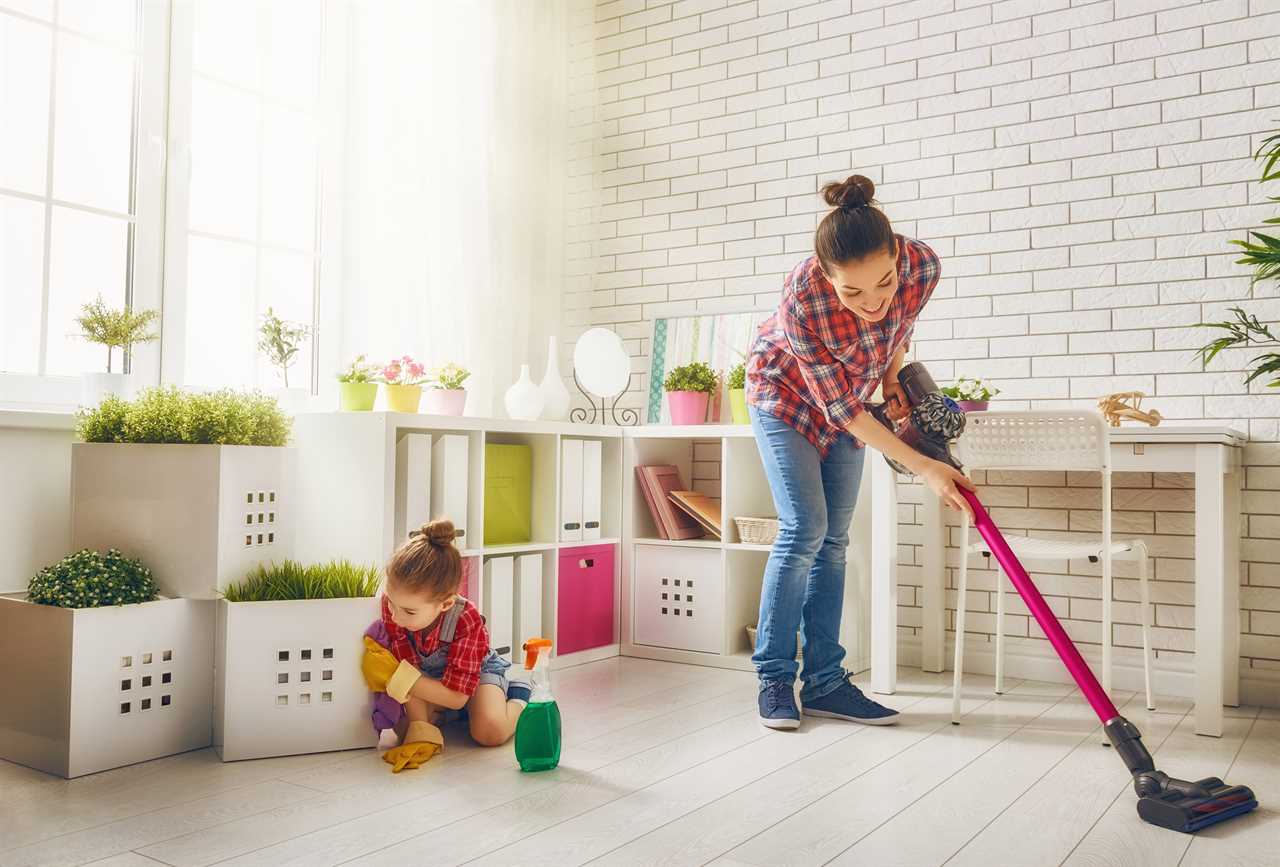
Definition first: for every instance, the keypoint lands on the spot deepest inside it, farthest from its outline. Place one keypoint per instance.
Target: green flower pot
(738, 404)
(357, 396)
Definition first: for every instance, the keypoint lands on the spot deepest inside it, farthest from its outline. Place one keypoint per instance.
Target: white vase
(95, 386)
(555, 397)
(524, 399)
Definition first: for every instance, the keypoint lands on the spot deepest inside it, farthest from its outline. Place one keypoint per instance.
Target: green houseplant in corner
(738, 393)
(114, 329)
(689, 389)
(358, 386)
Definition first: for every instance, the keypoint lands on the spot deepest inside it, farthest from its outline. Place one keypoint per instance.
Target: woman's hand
(942, 479)
(895, 399)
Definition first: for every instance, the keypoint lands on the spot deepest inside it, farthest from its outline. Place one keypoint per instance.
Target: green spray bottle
(538, 729)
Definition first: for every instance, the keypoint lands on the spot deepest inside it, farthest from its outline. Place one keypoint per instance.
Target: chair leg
(999, 631)
(958, 665)
(1146, 625)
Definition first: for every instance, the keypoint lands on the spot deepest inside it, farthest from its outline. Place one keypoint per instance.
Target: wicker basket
(757, 531)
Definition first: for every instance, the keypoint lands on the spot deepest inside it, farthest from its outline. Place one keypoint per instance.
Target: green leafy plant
(87, 579)
(359, 371)
(695, 376)
(1246, 330)
(115, 329)
(337, 579)
(280, 340)
(1264, 256)
(738, 376)
(449, 377)
(965, 388)
(167, 415)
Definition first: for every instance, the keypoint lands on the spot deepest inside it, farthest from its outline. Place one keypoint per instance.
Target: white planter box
(198, 516)
(288, 677)
(87, 689)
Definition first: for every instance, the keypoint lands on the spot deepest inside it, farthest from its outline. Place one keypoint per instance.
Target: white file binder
(413, 484)
(449, 481)
(528, 607)
(591, 456)
(499, 604)
(571, 490)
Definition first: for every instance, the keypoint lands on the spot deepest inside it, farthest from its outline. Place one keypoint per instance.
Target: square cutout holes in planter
(264, 513)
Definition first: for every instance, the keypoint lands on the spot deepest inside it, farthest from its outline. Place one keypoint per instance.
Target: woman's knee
(803, 536)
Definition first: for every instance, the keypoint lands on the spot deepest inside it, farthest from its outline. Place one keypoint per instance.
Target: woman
(841, 330)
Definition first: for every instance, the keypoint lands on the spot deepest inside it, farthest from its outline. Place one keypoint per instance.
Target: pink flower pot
(444, 401)
(972, 405)
(688, 407)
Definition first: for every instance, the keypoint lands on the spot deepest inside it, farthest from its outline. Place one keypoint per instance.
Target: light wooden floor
(666, 763)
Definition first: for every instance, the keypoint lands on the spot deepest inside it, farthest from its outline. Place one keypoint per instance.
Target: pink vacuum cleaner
(1179, 805)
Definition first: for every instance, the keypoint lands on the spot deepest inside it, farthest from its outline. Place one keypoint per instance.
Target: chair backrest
(1050, 440)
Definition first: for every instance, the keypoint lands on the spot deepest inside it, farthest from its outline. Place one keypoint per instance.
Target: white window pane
(21, 276)
(224, 160)
(224, 40)
(289, 179)
(293, 63)
(94, 124)
(287, 288)
(220, 336)
(112, 20)
(25, 55)
(87, 256)
(42, 9)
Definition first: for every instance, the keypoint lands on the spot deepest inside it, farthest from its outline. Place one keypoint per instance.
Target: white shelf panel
(744, 546)
(680, 543)
(586, 543)
(517, 548)
(688, 431)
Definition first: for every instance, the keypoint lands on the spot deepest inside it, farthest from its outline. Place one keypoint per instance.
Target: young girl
(841, 330)
(430, 651)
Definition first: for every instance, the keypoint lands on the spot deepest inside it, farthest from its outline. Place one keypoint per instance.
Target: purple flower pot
(688, 407)
(972, 405)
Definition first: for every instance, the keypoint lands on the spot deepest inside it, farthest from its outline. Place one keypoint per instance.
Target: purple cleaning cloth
(386, 710)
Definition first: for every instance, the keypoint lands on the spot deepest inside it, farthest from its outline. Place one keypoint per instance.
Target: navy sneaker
(778, 705)
(847, 702)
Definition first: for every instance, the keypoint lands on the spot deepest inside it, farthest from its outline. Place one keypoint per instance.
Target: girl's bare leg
(493, 718)
(417, 710)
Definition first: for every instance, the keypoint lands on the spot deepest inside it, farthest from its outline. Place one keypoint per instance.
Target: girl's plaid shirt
(814, 362)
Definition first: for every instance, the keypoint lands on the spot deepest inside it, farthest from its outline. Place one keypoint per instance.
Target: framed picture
(720, 339)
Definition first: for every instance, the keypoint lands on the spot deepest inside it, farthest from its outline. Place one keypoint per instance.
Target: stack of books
(677, 513)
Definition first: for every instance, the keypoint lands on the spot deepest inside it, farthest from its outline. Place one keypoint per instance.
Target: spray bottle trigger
(531, 649)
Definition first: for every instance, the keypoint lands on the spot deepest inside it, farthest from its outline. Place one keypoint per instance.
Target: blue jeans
(804, 578)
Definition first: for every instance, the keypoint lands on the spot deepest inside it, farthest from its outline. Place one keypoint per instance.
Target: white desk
(1212, 452)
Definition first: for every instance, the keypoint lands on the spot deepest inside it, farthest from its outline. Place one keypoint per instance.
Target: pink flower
(415, 369)
(391, 372)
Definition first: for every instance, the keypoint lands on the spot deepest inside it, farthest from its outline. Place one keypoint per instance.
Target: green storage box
(508, 494)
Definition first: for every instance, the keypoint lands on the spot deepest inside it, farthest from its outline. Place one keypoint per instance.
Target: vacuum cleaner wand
(1162, 800)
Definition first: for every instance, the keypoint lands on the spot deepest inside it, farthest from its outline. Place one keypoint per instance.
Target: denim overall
(493, 668)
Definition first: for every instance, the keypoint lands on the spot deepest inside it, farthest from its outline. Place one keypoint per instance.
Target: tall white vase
(555, 397)
(523, 400)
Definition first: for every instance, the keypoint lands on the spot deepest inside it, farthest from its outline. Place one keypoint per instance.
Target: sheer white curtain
(455, 190)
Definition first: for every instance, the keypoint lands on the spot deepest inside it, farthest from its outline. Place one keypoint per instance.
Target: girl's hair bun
(853, 192)
(439, 533)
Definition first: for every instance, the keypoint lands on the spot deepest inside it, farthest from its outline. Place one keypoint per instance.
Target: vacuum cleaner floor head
(1180, 811)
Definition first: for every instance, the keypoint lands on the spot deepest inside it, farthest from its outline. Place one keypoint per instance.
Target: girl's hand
(942, 479)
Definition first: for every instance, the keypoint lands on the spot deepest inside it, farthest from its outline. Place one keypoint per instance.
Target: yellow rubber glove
(384, 673)
(422, 741)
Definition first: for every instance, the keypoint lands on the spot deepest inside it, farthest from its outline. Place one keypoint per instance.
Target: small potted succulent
(403, 378)
(446, 396)
(280, 341)
(357, 386)
(689, 388)
(738, 393)
(114, 329)
(973, 395)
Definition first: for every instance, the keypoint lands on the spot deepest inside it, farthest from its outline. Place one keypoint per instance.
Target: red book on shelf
(658, 482)
(648, 498)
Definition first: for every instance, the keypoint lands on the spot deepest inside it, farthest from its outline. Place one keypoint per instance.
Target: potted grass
(446, 395)
(113, 329)
(280, 341)
(197, 485)
(972, 395)
(689, 389)
(287, 648)
(357, 386)
(738, 393)
(403, 378)
(99, 671)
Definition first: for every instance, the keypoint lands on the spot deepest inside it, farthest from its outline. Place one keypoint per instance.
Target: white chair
(1060, 440)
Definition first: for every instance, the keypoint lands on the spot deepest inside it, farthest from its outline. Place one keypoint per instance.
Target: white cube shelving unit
(90, 689)
(288, 677)
(199, 516)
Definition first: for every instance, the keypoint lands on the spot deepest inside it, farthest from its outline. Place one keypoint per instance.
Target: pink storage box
(584, 616)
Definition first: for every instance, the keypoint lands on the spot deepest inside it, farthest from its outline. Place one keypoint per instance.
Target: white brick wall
(1080, 168)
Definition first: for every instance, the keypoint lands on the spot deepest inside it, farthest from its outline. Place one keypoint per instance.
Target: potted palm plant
(114, 329)
(357, 386)
(689, 389)
(973, 395)
(280, 341)
(403, 378)
(446, 395)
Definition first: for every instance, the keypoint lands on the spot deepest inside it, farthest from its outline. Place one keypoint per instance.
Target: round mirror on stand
(602, 370)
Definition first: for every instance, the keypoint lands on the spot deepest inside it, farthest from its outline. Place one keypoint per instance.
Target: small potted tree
(114, 329)
(973, 395)
(446, 395)
(98, 671)
(280, 341)
(357, 386)
(738, 393)
(689, 389)
(287, 648)
(403, 378)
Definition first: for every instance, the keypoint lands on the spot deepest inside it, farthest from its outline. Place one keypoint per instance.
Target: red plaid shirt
(469, 648)
(815, 362)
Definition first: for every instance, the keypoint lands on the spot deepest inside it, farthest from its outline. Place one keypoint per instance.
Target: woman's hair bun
(853, 192)
(439, 532)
